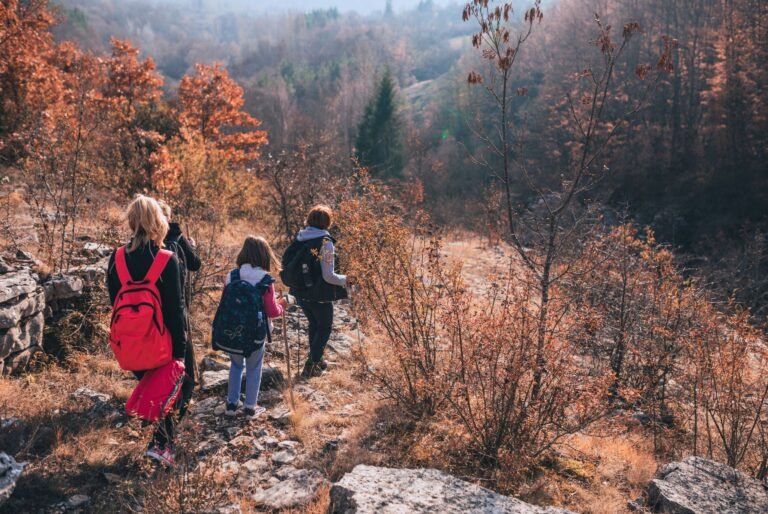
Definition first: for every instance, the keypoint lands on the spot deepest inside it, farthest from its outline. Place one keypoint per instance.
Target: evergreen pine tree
(379, 143)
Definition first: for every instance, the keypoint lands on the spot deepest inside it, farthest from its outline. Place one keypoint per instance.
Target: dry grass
(597, 474)
(67, 448)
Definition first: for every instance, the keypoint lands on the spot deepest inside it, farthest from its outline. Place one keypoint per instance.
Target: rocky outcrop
(297, 488)
(271, 378)
(26, 302)
(369, 489)
(701, 486)
(10, 470)
(63, 287)
(22, 302)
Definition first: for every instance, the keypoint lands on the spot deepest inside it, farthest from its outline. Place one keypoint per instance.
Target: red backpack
(138, 335)
(157, 392)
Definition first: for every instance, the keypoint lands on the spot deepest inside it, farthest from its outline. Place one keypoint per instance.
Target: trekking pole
(352, 295)
(288, 362)
(298, 341)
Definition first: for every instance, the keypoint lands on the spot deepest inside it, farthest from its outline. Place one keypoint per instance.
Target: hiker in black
(186, 252)
(309, 269)
(188, 261)
(149, 228)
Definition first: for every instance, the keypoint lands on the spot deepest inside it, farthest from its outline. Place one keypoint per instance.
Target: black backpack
(301, 265)
(240, 326)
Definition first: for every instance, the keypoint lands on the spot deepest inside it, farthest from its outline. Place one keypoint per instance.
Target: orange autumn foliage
(211, 107)
(28, 82)
(131, 83)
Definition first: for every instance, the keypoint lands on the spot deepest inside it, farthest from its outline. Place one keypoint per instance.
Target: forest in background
(691, 164)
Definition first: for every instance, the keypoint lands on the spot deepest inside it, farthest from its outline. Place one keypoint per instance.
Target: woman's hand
(283, 302)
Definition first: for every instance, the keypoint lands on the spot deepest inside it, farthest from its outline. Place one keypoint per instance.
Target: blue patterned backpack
(240, 326)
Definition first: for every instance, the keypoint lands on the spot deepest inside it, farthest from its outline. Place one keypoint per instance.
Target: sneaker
(323, 365)
(166, 456)
(153, 452)
(312, 370)
(162, 455)
(231, 409)
(254, 413)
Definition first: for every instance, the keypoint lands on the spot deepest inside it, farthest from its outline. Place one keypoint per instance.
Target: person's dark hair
(320, 216)
(257, 252)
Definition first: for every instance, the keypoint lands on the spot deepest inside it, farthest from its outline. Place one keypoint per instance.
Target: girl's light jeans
(252, 366)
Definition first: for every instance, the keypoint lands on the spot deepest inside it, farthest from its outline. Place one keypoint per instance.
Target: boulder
(93, 249)
(10, 471)
(92, 274)
(63, 287)
(21, 340)
(283, 457)
(18, 361)
(21, 307)
(699, 486)
(16, 284)
(370, 489)
(295, 491)
(271, 378)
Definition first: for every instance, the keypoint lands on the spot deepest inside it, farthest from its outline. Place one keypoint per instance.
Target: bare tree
(552, 226)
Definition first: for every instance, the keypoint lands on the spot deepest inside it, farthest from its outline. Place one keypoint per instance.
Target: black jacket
(188, 258)
(169, 287)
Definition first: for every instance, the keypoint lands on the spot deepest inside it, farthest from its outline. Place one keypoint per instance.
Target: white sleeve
(327, 264)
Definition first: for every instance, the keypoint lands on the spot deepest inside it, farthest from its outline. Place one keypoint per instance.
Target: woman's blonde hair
(147, 222)
(257, 252)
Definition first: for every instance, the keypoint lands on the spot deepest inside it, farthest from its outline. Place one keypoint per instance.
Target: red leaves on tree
(131, 82)
(211, 106)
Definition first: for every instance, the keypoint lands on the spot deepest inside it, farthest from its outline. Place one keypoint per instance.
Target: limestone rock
(10, 471)
(296, 491)
(281, 416)
(215, 379)
(92, 274)
(699, 486)
(93, 249)
(16, 284)
(63, 287)
(21, 307)
(370, 489)
(4, 267)
(211, 364)
(24, 256)
(17, 343)
(17, 361)
(90, 394)
(78, 501)
(283, 457)
(270, 378)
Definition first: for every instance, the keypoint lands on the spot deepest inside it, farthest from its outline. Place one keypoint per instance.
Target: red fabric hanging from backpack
(138, 335)
(157, 392)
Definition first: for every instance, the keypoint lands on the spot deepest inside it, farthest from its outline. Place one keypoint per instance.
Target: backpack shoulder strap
(122, 267)
(266, 282)
(234, 275)
(158, 265)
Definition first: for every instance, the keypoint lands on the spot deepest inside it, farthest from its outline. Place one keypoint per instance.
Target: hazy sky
(361, 6)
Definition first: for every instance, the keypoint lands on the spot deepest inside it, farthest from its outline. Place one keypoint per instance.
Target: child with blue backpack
(241, 326)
